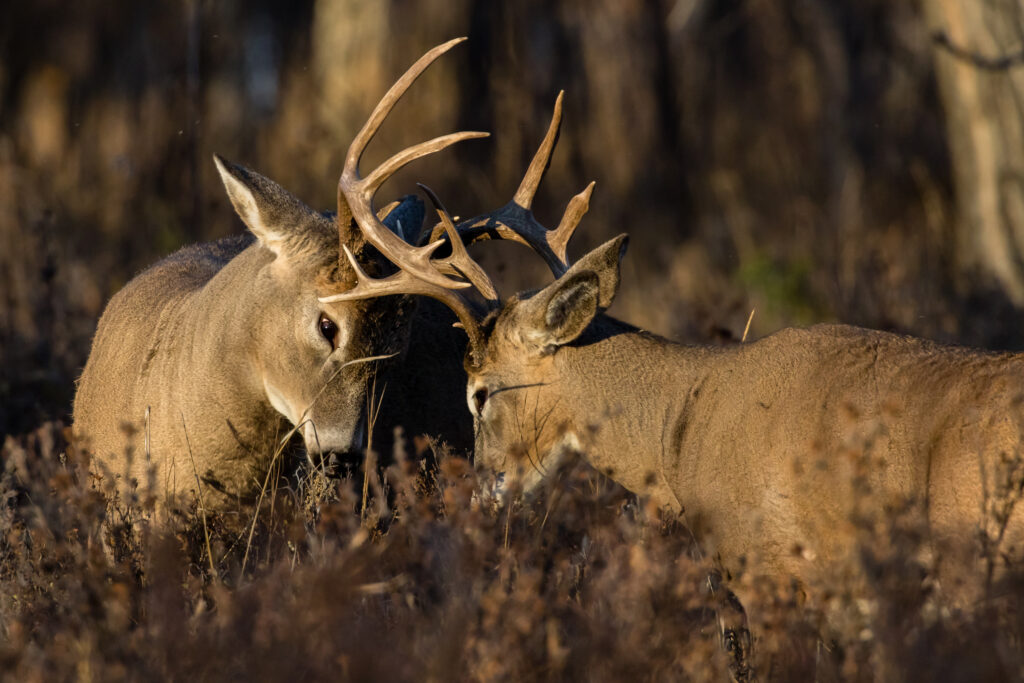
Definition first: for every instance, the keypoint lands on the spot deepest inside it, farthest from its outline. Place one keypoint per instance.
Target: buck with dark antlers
(768, 446)
(214, 354)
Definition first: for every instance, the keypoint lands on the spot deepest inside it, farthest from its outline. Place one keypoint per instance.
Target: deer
(214, 354)
(762, 447)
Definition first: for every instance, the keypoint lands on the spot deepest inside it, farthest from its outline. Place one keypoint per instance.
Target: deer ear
(604, 261)
(272, 213)
(562, 310)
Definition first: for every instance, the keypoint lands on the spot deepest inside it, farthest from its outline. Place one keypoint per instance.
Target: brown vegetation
(583, 584)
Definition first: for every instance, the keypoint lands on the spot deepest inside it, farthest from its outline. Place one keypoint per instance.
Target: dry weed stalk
(581, 583)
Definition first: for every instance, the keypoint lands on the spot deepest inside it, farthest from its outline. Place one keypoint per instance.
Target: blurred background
(819, 160)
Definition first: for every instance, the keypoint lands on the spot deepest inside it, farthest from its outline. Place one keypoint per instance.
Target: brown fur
(769, 447)
(205, 341)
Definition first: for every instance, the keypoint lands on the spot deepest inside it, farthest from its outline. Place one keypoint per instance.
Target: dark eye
(479, 399)
(328, 329)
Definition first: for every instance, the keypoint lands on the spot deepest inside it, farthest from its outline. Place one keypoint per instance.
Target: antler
(355, 194)
(410, 280)
(515, 221)
(442, 278)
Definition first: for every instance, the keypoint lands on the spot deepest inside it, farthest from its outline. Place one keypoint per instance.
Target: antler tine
(355, 194)
(516, 222)
(387, 169)
(409, 282)
(390, 99)
(541, 160)
(460, 261)
(558, 239)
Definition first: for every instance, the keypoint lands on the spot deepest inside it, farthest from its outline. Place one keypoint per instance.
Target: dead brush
(582, 582)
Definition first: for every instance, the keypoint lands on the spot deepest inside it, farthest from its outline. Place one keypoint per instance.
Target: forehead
(502, 333)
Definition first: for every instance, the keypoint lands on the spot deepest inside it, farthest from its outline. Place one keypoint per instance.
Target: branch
(980, 61)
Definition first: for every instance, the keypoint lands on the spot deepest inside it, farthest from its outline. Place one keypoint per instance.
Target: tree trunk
(981, 80)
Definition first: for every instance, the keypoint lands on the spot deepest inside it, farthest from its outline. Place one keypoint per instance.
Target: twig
(508, 520)
(146, 435)
(369, 463)
(980, 61)
(385, 586)
(746, 330)
(199, 490)
(370, 459)
(263, 490)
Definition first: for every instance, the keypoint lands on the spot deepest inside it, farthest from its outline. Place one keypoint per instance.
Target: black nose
(341, 464)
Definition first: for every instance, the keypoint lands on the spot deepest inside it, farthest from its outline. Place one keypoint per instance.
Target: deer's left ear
(604, 261)
(568, 308)
(560, 312)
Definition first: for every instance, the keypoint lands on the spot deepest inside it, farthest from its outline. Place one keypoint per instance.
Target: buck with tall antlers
(768, 446)
(213, 354)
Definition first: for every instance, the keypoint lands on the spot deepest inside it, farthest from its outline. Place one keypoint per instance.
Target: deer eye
(479, 399)
(328, 329)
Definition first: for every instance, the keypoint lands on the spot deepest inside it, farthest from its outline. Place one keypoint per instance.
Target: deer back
(770, 449)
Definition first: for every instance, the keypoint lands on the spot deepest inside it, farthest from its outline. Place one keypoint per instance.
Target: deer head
(520, 426)
(310, 351)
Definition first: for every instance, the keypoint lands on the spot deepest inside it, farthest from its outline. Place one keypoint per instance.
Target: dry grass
(582, 583)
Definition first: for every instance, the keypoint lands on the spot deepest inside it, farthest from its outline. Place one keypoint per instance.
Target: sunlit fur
(756, 444)
(208, 358)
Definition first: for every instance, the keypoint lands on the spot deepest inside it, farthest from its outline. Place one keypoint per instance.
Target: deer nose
(338, 465)
(493, 492)
(341, 461)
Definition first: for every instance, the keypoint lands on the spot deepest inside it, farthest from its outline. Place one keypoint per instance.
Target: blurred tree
(981, 76)
(790, 156)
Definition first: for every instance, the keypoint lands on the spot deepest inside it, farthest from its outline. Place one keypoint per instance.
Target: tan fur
(767, 447)
(200, 364)
(219, 345)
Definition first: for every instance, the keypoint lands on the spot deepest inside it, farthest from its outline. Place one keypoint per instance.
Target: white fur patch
(570, 443)
(327, 440)
(280, 403)
(470, 392)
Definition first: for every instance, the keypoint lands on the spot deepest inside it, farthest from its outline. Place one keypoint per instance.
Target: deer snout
(338, 456)
(323, 439)
(493, 491)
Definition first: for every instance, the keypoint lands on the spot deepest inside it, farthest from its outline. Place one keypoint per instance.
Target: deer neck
(222, 323)
(625, 385)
